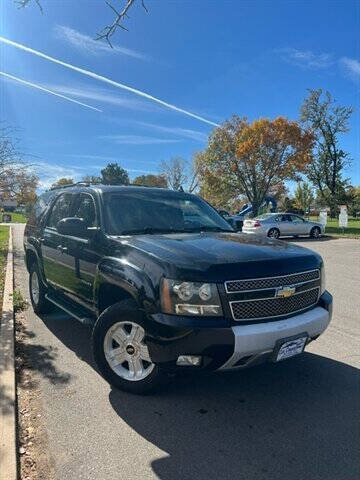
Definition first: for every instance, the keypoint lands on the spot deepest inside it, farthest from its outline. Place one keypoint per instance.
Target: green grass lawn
(4, 240)
(15, 217)
(332, 227)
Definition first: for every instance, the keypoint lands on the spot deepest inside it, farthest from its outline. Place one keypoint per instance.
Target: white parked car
(277, 225)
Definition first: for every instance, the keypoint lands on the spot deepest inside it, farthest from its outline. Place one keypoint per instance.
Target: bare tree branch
(109, 30)
(24, 3)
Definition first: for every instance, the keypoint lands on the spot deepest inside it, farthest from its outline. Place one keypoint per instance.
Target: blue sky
(209, 58)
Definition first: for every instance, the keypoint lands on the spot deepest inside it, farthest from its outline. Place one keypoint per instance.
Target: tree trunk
(255, 209)
(333, 206)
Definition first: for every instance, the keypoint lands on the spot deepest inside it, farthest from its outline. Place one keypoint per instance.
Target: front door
(299, 225)
(85, 252)
(56, 259)
(285, 225)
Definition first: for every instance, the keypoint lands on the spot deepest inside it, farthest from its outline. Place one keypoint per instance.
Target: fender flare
(129, 278)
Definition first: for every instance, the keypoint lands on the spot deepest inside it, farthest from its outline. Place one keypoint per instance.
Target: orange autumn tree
(253, 158)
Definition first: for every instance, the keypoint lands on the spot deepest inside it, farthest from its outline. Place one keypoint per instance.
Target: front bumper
(235, 346)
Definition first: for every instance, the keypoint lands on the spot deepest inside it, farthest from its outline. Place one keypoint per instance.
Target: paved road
(298, 419)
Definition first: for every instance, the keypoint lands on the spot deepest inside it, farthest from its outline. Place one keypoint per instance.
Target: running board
(69, 310)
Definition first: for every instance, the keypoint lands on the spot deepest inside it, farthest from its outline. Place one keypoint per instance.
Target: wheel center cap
(130, 349)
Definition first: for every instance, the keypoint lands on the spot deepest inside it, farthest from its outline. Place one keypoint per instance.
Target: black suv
(167, 284)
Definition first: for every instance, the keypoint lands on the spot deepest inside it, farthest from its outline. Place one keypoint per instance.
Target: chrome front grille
(271, 282)
(260, 298)
(273, 307)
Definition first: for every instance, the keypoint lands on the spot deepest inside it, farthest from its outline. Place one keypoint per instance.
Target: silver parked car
(277, 225)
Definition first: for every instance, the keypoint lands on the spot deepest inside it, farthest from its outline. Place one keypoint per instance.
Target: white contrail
(106, 80)
(33, 85)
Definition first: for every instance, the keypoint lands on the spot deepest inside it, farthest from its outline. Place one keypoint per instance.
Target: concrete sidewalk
(8, 456)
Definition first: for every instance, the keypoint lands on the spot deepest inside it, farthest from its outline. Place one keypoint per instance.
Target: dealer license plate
(291, 347)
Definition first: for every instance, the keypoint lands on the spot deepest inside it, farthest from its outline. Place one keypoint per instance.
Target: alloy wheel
(126, 352)
(35, 287)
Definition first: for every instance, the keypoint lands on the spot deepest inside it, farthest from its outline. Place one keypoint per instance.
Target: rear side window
(85, 209)
(60, 210)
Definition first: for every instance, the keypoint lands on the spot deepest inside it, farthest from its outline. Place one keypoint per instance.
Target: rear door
(85, 252)
(56, 260)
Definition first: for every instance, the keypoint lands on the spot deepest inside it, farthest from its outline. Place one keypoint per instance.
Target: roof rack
(68, 185)
(88, 184)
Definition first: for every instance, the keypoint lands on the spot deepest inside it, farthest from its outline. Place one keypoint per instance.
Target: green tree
(113, 174)
(253, 158)
(62, 181)
(304, 196)
(354, 201)
(327, 121)
(151, 180)
(287, 204)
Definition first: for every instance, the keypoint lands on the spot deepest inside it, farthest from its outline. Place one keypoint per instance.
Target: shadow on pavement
(297, 419)
(325, 238)
(35, 357)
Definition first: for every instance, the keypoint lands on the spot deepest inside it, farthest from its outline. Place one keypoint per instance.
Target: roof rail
(68, 185)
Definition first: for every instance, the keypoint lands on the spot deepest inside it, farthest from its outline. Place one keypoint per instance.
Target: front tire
(38, 291)
(120, 351)
(273, 233)
(315, 232)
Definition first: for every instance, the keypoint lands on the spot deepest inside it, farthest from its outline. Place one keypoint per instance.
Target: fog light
(189, 360)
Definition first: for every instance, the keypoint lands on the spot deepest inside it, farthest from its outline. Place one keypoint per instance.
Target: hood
(219, 256)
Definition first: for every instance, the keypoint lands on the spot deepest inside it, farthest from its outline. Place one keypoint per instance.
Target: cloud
(180, 132)
(306, 58)
(102, 95)
(105, 158)
(137, 140)
(43, 89)
(103, 79)
(352, 67)
(90, 46)
(50, 172)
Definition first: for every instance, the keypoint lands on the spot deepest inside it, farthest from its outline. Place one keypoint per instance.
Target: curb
(8, 454)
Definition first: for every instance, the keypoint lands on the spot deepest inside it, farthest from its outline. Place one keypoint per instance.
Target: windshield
(135, 213)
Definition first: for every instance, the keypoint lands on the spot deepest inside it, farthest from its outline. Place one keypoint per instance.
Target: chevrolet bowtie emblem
(284, 292)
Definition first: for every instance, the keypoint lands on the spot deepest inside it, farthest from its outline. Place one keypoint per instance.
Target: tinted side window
(85, 209)
(60, 210)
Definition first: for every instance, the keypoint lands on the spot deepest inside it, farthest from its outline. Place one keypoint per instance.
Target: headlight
(190, 298)
(322, 279)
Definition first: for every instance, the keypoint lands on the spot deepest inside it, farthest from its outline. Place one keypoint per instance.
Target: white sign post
(343, 217)
(323, 217)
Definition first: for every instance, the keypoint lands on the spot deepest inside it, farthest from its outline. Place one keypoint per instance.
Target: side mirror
(73, 226)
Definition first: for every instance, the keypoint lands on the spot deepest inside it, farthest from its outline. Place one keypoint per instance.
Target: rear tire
(38, 291)
(315, 232)
(273, 233)
(120, 351)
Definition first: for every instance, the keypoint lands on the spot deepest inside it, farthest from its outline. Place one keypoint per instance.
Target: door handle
(64, 249)
(61, 248)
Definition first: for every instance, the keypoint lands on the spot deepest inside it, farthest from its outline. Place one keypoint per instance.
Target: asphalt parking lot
(298, 419)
